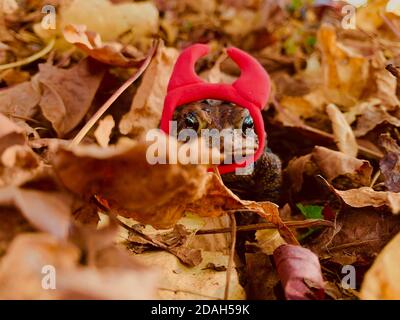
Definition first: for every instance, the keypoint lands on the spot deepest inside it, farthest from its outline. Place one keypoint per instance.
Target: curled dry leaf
(365, 197)
(68, 94)
(382, 281)
(371, 115)
(331, 164)
(334, 164)
(390, 164)
(148, 102)
(300, 273)
(112, 53)
(344, 136)
(46, 211)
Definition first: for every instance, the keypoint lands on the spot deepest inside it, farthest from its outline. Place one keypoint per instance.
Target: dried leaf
(68, 94)
(148, 102)
(30, 253)
(112, 20)
(46, 211)
(20, 100)
(331, 165)
(112, 53)
(104, 130)
(297, 267)
(334, 164)
(345, 72)
(344, 136)
(390, 164)
(10, 134)
(365, 197)
(382, 280)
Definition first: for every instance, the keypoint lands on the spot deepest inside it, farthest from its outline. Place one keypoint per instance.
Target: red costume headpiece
(250, 91)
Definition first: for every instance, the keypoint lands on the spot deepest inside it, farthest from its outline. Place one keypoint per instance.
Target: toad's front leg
(263, 184)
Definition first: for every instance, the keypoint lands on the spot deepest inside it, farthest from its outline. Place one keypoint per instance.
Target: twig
(375, 178)
(30, 59)
(261, 226)
(82, 133)
(231, 255)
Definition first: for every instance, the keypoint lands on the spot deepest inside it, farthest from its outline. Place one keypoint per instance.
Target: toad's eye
(247, 124)
(191, 121)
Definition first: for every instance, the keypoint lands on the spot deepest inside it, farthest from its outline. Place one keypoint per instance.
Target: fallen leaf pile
(86, 214)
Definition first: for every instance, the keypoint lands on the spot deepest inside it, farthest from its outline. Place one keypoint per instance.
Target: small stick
(267, 225)
(231, 256)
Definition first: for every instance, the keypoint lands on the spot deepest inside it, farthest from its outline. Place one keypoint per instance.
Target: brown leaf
(148, 102)
(345, 72)
(371, 116)
(331, 165)
(124, 181)
(365, 197)
(344, 136)
(68, 94)
(382, 280)
(112, 53)
(46, 211)
(297, 267)
(26, 256)
(390, 164)
(20, 100)
(10, 134)
(334, 164)
(104, 130)
(29, 253)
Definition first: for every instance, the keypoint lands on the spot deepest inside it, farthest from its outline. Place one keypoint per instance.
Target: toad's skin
(265, 181)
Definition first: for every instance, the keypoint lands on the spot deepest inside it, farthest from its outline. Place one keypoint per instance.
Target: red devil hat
(250, 91)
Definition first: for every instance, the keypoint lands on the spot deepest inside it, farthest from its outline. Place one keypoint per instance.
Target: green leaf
(310, 211)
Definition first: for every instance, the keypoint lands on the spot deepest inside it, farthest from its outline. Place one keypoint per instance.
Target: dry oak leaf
(68, 94)
(46, 211)
(20, 100)
(147, 105)
(344, 136)
(382, 281)
(365, 197)
(112, 53)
